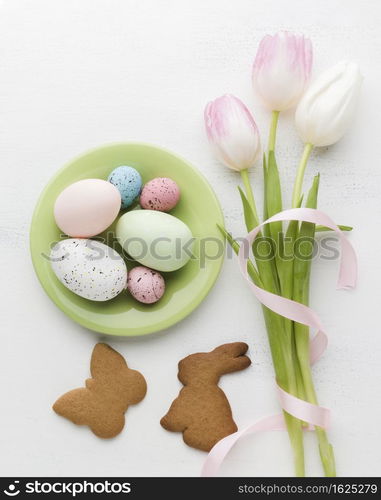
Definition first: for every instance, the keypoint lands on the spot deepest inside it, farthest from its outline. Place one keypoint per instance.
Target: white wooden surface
(77, 74)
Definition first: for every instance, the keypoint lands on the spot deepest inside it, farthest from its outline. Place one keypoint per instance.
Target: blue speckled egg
(129, 183)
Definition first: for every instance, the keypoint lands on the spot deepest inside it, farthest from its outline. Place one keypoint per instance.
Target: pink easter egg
(87, 208)
(145, 285)
(160, 194)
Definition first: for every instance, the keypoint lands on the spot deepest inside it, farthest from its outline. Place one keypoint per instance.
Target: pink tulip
(281, 69)
(232, 132)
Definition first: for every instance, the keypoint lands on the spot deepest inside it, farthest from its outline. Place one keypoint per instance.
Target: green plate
(186, 288)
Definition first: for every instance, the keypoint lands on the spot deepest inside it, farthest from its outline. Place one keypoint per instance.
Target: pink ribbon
(313, 414)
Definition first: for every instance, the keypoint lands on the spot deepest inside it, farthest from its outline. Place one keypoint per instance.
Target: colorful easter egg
(89, 268)
(128, 181)
(161, 194)
(86, 208)
(155, 239)
(145, 285)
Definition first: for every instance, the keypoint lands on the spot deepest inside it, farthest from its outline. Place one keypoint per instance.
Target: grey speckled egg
(89, 268)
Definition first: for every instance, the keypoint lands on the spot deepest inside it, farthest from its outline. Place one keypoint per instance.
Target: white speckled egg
(89, 268)
(155, 239)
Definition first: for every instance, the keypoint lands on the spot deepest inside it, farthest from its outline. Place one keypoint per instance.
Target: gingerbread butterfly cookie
(101, 405)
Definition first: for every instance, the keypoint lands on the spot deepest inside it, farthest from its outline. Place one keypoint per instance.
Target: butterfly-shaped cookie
(103, 402)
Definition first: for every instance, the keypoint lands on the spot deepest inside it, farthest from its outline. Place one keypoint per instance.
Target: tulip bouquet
(281, 74)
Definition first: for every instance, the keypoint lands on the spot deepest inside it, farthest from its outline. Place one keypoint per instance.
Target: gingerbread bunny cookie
(201, 411)
(103, 402)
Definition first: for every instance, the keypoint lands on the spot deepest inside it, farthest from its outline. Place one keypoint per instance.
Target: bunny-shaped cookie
(103, 402)
(201, 411)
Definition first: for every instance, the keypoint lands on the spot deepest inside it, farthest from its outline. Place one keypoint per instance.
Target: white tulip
(326, 109)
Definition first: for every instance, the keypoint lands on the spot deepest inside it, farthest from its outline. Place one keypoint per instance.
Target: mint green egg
(155, 239)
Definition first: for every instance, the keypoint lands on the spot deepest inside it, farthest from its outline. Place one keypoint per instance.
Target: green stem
(283, 362)
(264, 266)
(284, 365)
(298, 374)
(287, 373)
(273, 127)
(325, 448)
(281, 345)
(295, 433)
(301, 286)
(249, 193)
(300, 175)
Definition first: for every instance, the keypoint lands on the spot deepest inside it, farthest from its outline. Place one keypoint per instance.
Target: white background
(75, 74)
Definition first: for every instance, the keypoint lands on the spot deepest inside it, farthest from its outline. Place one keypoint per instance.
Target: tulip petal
(232, 132)
(281, 69)
(326, 109)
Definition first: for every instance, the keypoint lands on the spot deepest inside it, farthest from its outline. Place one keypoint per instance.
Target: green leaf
(253, 273)
(273, 194)
(274, 322)
(320, 229)
(302, 272)
(302, 266)
(288, 257)
(266, 228)
(247, 211)
(273, 197)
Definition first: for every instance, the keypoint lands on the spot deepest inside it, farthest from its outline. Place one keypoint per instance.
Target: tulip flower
(232, 132)
(325, 112)
(234, 136)
(326, 109)
(281, 69)
(280, 74)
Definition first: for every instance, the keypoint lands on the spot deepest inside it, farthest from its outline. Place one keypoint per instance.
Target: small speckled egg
(89, 268)
(161, 194)
(145, 285)
(128, 181)
(87, 208)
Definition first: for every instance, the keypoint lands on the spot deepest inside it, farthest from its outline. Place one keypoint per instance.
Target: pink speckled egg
(87, 208)
(145, 284)
(161, 194)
